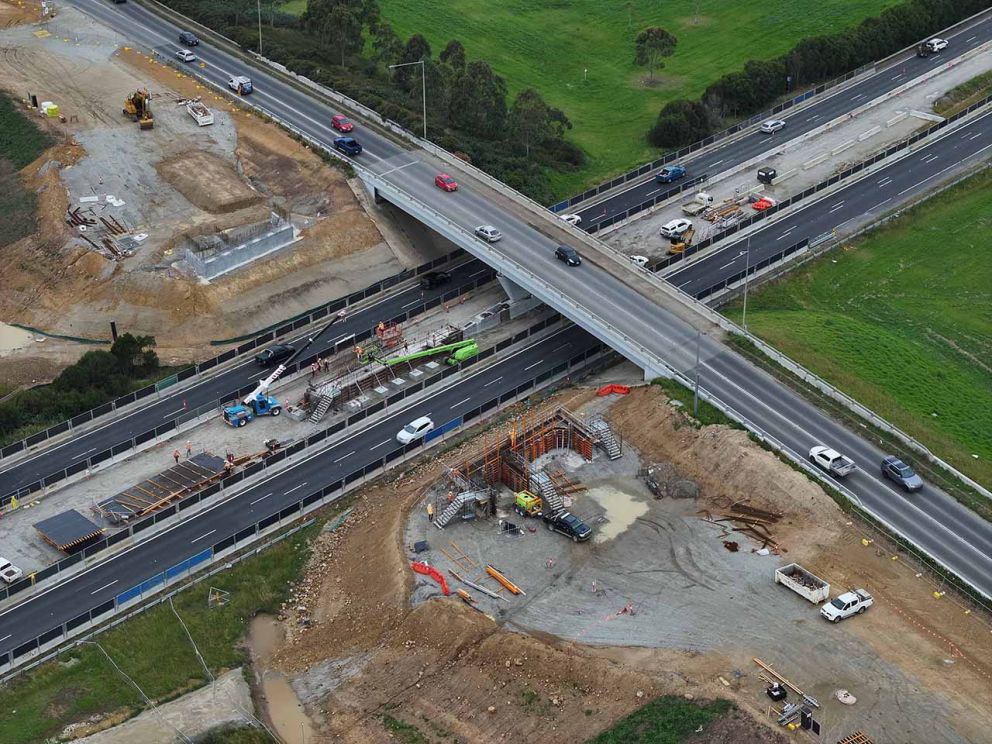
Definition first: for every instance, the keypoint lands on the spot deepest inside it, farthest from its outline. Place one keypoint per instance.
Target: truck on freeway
(832, 461)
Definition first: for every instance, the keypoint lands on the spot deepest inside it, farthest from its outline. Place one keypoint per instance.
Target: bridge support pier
(521, 301)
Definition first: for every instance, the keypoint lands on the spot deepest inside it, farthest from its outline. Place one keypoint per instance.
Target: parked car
(568, 525)
(274, 354)
(414, 430)
(899, 472)
(571, 219)
(568, 254)
(9, 572)
(675, 227)
(188, 38)
(433, 279)
(185, 55)
(937, 45)
(488, 233)
(772, 125)
(445, 182)
(670, 173)
(847, 604)
(341, 123)
(347, 145)
(641, 261)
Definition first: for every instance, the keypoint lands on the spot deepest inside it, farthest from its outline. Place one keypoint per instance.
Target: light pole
(259, 5)
(423, 80)
(747, 271)
(695, 391)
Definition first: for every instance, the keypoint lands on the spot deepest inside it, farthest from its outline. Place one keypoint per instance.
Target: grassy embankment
(901, 320)
(21, 142)
(665, 720)
(962, 96)
(153, 650)
(550, 46)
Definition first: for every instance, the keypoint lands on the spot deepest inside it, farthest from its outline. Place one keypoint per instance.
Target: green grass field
(549, 45)
(902, 322)
(20, 143)
(153, 650)
(665, 720)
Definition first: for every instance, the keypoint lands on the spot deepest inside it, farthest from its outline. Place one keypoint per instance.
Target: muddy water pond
(622, 510)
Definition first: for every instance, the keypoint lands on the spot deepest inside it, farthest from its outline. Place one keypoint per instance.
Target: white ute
(847, 604)
(9, 572)
(832, 461)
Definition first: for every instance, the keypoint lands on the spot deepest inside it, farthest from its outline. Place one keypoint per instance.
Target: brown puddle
(280, 706)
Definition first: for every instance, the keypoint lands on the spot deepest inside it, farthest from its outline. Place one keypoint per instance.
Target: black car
(347, 145)
(274, 354)
(189, 39)
(568, 254)
(569, 525)
(434, 279)
(899, 472)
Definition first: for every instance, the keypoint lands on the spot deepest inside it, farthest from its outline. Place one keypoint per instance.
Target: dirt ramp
(208, 181)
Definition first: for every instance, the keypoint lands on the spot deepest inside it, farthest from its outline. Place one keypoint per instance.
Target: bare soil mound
(208, 181)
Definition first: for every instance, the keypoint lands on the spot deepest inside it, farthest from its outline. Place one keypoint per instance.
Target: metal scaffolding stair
(605, 438)
(454, 507)
(323, 405)
(548, 492)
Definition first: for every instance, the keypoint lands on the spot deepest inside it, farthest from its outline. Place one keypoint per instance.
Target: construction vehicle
(138, 106)
(527, 504)
(460, 351)
(681, 242)
(258, 402)
(466, 350)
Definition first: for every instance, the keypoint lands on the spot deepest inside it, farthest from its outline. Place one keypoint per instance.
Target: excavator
(683, 241)
(258, 402)
(138, 106)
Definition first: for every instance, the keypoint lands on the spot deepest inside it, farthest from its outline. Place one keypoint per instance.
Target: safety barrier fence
(315, 438)
(593, 359)
(753, 269)
(667, 261)
(127, 447)
(249, 343)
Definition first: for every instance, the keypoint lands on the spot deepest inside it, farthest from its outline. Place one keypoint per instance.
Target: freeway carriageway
(826, 107)
(857, 203)
(608, 307)
(216, 386)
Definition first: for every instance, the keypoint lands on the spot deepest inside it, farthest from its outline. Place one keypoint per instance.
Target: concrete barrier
(840, 148)
(869, 134)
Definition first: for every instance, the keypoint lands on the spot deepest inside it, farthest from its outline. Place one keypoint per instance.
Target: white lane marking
(206, 534)
(786, 233)
(540, 361)
(85, 453)
(728, 264)
(813, 118)
(480, 271)
(713, 165)
(976, 136)
(174, 413)
(971, 39)
(559, 348)
(860, 95)
(686, 284)
(382, 443)
(344, 457)
(452, 408)
(652, 193)
(872, 209)
(294, 488)
(897, 76)
(934, 175)
(411, 304)
(884, 181)
(398, 167)
(836, 206)
(493, 382)
(97, 591)
(262, 498)
(5, 638)
(930, 158)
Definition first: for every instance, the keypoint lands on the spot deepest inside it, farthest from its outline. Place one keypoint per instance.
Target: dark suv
(189, 39)
(899, 472)
(274, 354)
(348, 145)
(433, 279)
(569, 525)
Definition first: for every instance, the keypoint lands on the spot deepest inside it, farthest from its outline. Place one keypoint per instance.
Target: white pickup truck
(847, 604)
(700, 202)
(832, 461)
(9, 572)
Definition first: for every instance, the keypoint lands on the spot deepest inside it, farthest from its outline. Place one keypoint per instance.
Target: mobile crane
(258, 402)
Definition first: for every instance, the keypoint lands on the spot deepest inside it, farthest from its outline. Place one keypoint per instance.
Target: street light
(423, 80)
(259, 5)
(747, 271)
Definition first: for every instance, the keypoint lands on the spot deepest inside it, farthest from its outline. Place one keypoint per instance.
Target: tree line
(97, 377)
(813, 60)
(346, 45)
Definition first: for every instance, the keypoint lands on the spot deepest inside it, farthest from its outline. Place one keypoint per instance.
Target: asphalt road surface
(930, 519)
(828, 106)
(860, 201)
(369, 445)
(216, 386)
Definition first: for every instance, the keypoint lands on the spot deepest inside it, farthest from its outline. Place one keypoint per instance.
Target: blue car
(348, 145)
(670, 173)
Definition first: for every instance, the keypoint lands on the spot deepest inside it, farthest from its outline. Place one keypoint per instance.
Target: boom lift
(460, 351)
(258, 402)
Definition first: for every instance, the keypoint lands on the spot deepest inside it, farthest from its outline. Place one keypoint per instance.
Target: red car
(341, 123)
(445, 182)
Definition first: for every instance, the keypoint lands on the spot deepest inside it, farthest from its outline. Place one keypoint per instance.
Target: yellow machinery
(527, 504)
(138, 106)
(682, 242)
